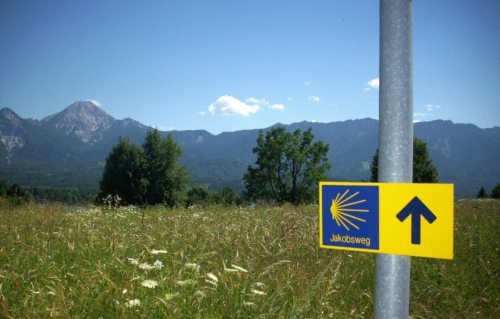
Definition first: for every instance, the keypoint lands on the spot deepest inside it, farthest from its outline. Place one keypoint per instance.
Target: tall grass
(58, 262)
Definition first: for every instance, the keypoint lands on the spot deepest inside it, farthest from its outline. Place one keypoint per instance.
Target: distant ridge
(68, 149)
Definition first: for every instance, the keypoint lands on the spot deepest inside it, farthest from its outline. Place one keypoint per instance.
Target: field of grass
(62, 262)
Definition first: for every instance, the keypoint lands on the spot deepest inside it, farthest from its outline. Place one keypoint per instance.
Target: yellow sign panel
(390, 218)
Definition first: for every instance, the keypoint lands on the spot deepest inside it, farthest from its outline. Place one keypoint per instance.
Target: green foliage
(495, 192)
(167, 179)
(288, 167)
(200, 195)
(3, 188)
(123, 174)
(151, 175)
(226, 196)
(14, 194)
(482, 193)
(68, 196)
(374, 168)
(424, 170)
(197, 195)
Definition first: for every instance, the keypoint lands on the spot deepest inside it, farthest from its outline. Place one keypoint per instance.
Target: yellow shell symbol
(342, 206)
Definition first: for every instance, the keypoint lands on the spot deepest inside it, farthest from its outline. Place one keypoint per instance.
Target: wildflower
(259, 284)
(133, 261)
(213, 283)
(156, 252)
(199, 294)
(212, 277)
(238, 268)
(192, 266)
(249, 304)
(149, 283)
(146, 266)
(258, 292)
(124, 291)
(186, 282)
(133, 303)
(170, 296)
(158, 264)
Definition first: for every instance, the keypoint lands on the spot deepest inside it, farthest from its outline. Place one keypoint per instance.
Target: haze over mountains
(68, 149)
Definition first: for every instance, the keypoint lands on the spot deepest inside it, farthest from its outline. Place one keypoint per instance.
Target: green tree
(167, 179)
(225, 196)
(123, 174)
(288, 167)
(17, 195)
(424, 170)
(495, 193)
(482, 193)
(3, 188)
(197, 195)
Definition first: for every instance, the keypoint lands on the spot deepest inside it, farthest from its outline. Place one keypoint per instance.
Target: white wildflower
(124, 291)
(238, 268)
(133, 261)
(133, 303)
(156, 252)
(148, 283)
(213, 283)
(259, 284)
(170, 296)
(199, 294)
(146, 266)
(258, 292)
(158, 264)
(192, 266)
(186, 282)
(212, 277)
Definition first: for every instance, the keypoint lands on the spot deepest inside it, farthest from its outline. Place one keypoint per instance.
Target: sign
(390, 218)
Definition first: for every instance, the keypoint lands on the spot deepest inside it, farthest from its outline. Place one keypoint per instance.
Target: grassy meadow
(64, 262)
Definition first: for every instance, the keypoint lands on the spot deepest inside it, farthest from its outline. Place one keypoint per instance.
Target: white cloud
(95, 102)
(227, 105)
(307, 83)
(279, 107)
(432, 107)
(419, 114)
(266, 103)
(315, 99)
(372, 84)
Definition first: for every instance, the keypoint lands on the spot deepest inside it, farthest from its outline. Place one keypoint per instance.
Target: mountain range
(68, 149)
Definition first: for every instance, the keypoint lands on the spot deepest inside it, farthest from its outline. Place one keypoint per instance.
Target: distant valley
(68, 149)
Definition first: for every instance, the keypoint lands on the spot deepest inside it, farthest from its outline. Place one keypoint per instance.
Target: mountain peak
(87, 106)
(84, 119)
(11, 116)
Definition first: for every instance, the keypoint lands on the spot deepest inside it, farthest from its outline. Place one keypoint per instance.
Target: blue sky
(231, 65)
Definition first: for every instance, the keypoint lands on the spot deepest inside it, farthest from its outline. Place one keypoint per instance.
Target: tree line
(288, 167)
(14, 193)
(495, 193)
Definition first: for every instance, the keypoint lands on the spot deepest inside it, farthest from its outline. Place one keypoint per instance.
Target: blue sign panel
(350, 216)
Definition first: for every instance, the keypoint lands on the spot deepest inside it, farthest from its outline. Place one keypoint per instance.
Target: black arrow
(416, 208)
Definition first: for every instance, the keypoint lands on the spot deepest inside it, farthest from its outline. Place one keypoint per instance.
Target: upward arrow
(416, 208)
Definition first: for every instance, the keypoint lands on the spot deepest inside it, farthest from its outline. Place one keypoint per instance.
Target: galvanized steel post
(392, 286)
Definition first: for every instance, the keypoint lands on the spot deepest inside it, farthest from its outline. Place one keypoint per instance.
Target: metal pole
(392, 286)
